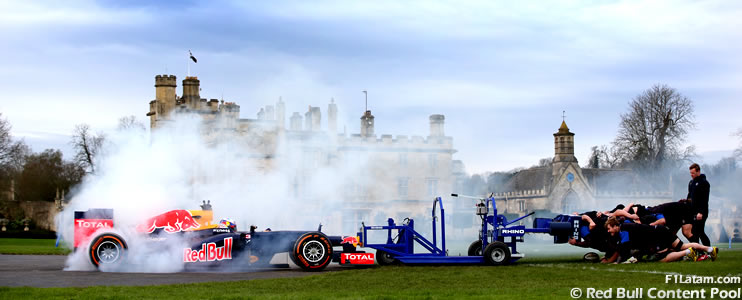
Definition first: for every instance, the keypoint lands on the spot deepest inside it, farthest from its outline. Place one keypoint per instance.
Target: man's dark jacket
(698, 192)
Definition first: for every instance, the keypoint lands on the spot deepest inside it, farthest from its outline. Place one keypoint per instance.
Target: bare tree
(12, 153)
(545, 162)
(654, 129)
(6, 141)
(130, 122)
(594, 160)
(87, 146)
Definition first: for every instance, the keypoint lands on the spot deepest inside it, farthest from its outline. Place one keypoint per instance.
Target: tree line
(651, 140)
(39, 176)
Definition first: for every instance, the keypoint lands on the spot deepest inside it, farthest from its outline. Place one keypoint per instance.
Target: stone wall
(41, 212)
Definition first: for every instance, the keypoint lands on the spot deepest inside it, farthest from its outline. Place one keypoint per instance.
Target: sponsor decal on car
(209, 252)
(350, 240)
(172, 221)
(357, 258)
(84, 228)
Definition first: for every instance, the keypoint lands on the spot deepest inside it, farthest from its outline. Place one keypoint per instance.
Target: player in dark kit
(593, 235)
(698, 194)
(674, 215)
(657, 240)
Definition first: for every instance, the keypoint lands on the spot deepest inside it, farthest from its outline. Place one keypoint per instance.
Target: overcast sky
(501, 72)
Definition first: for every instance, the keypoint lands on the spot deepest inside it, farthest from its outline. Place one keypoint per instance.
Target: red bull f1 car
(211, 245)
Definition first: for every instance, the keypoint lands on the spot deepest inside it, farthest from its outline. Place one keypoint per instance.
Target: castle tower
(564, 145)
(191, 90)
(281, 113)
(570, 190)
(165, 92)
(164, 102)
(367, 124)
(436, 125)
(332, 117)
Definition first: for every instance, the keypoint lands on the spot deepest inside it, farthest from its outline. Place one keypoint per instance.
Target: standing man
(698, 194)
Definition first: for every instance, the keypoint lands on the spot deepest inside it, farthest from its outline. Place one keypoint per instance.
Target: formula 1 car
(212, 245)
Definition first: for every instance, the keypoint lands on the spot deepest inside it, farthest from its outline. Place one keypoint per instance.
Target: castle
(406, 172)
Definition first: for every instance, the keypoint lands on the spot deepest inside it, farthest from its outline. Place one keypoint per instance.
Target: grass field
(31, 246)
(532, 278)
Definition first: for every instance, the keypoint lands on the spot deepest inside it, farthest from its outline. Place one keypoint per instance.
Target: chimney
(436, 125)
(281, 113)
(270, 113)
(295, 122)
(332, 117)
(367, 124)
(312, 119)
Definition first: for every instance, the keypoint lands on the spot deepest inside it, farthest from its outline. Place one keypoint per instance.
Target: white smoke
(185, 162)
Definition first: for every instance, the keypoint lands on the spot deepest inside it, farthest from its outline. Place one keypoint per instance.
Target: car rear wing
(90, 221)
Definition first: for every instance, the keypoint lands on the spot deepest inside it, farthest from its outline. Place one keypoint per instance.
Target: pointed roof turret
(564, 129)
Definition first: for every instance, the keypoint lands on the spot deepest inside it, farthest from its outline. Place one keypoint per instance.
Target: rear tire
(475, 249)
(385, 259)
(497, 254)
(312, 251)
(107, 249)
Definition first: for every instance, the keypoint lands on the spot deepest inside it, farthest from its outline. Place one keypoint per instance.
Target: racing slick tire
(475, 249)
(497, 254)
(385, 259)
(107, 249)
(312, 251)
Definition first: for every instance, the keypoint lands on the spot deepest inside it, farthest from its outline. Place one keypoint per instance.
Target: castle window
(432, 161)
(522, 205)
(402, 187)
(403, 159)
(432, 187)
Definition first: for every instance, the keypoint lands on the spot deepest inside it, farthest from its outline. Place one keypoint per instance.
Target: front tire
(475, 249)
(385, 259)
(312, 251)
(107, 249)
(497, 254)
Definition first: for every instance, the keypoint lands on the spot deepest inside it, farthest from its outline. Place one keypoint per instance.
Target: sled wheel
(385, 259)
(497, 254)
(312, 251)
(107, 249)
(475, 249)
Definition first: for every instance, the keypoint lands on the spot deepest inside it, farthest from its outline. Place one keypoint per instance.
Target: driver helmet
(228, 223)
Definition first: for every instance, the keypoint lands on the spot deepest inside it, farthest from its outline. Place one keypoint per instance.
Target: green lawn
(534, 278)
(31, 246)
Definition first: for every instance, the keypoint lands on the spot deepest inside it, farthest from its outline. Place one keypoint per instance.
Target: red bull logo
(172, 221)
(350, 240)
(209, 252)
(357, 258)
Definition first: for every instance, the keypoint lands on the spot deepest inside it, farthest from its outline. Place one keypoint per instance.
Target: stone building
(565, 187)
(396, 176)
